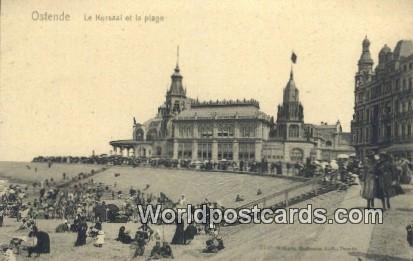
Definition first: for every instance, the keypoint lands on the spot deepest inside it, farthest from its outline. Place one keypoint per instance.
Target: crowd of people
(251, 166)
(79, 202)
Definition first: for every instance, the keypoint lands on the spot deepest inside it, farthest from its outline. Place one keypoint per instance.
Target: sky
(69, 87)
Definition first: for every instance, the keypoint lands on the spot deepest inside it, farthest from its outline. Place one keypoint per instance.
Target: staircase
(296, 194)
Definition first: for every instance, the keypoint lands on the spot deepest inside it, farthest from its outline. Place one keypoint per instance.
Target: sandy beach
(286, 242)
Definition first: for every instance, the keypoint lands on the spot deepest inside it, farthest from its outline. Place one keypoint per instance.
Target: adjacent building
(383, 111)
(231, 130)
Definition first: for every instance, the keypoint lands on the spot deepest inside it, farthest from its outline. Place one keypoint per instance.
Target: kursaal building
(232, 130)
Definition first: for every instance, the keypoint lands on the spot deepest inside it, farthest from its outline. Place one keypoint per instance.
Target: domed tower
(365, 63)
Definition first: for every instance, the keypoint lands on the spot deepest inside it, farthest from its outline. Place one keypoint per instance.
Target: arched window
(139, 134)
(296, 155)
(328, 143)
(293, 131)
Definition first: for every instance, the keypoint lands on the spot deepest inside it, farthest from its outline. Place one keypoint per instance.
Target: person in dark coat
(384, 180)
(190, 232)
(179, 236)
(81, 234)
(123, 237)
(43, 242)
(76, 223)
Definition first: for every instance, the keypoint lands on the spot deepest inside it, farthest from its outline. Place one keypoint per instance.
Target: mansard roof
(223, 110)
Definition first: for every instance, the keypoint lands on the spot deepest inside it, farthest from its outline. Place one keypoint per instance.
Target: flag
(293, 57)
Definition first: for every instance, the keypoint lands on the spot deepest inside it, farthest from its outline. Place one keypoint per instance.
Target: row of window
(223, 131)
(225, 151)
(400, 107)
(407, 84)
(403, 130)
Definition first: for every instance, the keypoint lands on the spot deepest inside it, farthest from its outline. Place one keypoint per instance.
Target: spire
(290, 90)
(176, 87)
(177, 59)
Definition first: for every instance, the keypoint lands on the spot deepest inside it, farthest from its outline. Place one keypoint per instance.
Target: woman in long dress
(369, 184)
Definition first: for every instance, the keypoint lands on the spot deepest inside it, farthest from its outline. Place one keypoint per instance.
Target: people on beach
(42, 245)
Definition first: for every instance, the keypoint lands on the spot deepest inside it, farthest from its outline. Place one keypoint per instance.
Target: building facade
(383, 111)
(226, 130)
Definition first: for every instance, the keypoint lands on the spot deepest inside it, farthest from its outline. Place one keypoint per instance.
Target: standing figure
(81, 234)
(384, 180)
(179, 236)
(369, 189)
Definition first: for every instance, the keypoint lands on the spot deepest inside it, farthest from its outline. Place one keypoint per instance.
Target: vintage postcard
(206, 130)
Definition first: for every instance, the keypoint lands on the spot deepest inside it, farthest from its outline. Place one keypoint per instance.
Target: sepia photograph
(206, 130)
